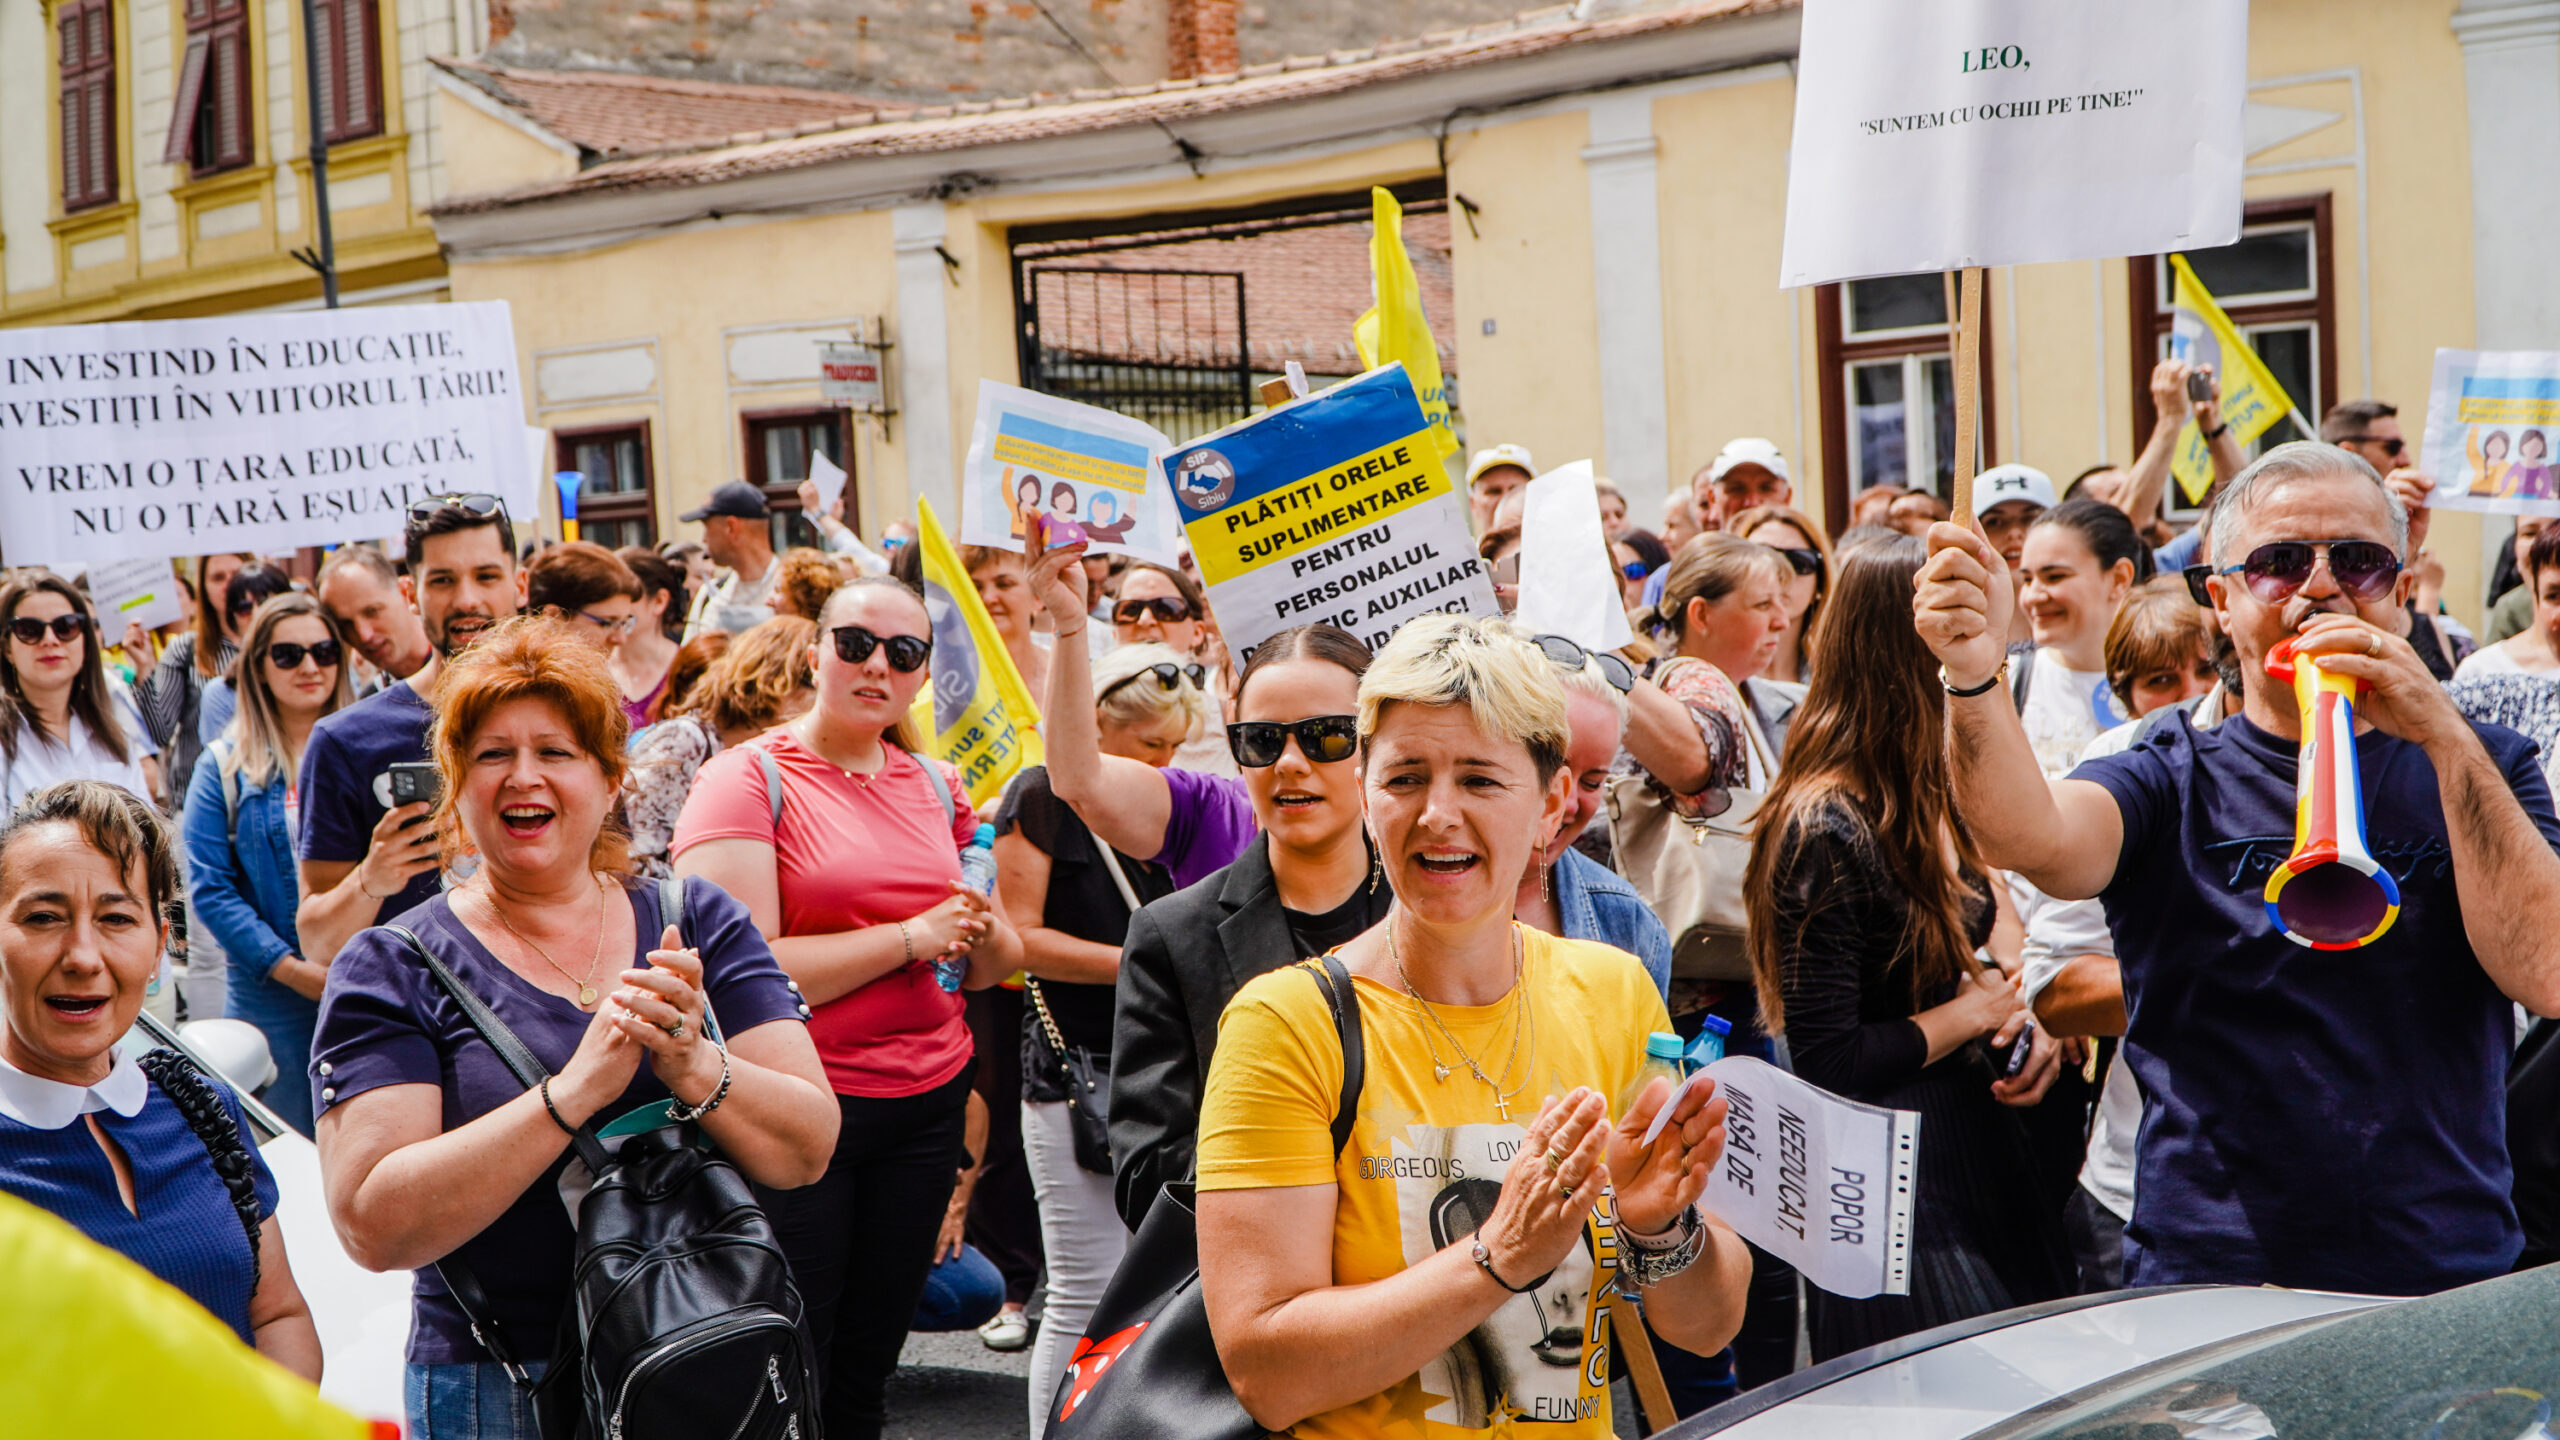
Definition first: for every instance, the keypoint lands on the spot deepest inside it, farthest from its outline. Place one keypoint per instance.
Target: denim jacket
(244, 883)
(1595, 903)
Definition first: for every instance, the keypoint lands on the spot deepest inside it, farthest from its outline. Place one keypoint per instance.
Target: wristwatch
(1968, 692)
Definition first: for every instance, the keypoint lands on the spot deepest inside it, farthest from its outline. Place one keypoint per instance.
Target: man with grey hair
(2319, 1118)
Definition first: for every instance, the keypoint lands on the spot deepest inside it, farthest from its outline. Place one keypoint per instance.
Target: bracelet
(2216, 432)
(1682, 1226)
(1985, 687)
(907, 942)
(680, 1112)
(1484, 1262)
(1652, 1267)
(556, 1118)
(1067, 634)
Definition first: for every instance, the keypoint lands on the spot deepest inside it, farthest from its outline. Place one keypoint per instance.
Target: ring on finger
(1564, 1187)
(674, 1029)
(1555, 1159)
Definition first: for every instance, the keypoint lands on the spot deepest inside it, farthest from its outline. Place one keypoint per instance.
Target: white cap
(2003, 483)
(1493, 455)
(1750, 450)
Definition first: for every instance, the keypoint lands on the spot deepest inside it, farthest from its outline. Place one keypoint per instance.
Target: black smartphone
(2007, 1060)
(2199, 387)
(413, 781)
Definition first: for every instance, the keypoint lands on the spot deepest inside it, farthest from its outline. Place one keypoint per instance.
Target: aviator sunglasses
(1166, 608)
(1167, 675)
(285, 655)
(31, 631)
(1324, 739)
(907, 653)
(469, 503)
(2364, 569)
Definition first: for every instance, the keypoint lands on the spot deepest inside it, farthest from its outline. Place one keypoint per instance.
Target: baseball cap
(1749, 450)
(737, 498)
(1493, 455)
(2003, 483)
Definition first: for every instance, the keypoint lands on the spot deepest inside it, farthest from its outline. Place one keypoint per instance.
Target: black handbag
(1086, 1083)
(1147, 1367)
(2533, 1141)
(683, 1319)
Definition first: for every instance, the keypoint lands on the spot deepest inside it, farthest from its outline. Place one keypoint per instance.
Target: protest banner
(126, 592)
(1394, 327)
(2008, 132)
(1332, 508)
(158, 438)
(2493, 420)
(1037, 456)
(978, 713)
(1822, 1183)
(1568, 582)
(2251, 400)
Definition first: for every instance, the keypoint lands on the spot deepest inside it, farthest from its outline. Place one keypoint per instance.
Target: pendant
(1502, 1106)
(586, 997)
(1440, 1072)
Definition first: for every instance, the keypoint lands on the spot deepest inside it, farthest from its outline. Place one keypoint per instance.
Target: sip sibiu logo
(1205, 479)
(1091, 1358)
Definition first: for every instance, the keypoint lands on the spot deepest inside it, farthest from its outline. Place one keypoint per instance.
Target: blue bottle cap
(1662, 1045)
(986, 836)
(1718, 1024)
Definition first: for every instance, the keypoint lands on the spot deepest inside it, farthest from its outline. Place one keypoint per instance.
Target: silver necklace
(1524, 1022)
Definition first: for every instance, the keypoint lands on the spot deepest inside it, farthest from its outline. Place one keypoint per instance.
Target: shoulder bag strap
(772, 789)
(1119, 877)
(941, 790)
(1344, 1001)
(672, 911)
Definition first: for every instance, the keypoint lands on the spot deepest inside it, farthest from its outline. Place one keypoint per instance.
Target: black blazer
(1186, 957)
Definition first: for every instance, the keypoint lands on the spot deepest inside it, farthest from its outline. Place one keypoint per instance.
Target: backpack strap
(941, 790)
(226, 766)
(672, 911)
(772, 788)
(1344, 1002)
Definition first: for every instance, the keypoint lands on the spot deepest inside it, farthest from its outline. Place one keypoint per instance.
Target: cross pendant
(1502, 1106)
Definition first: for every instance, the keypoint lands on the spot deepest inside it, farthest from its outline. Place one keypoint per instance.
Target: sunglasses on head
(1323, 739)
(1803, 562)
(285, 655)
(1166, 608)
(30, 631)
(2364, 569)
(2391, 445)
(472, 502)
(1167, 675)
(907, 653)
(1570, 655)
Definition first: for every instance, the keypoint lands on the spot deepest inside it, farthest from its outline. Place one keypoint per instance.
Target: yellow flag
(100, 1348)
(978, 713)
(1395, 328)
(2252, 401)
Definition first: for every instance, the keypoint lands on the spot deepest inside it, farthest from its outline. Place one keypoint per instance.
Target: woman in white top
(58, 719)
(2081, 559)
(2535, 649)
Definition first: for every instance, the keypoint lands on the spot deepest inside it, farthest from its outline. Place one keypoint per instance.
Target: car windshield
(2479, 1363)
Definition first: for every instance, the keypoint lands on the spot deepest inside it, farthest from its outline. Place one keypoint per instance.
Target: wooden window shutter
(88, 104)
(230, 81)
(324, 21)
(362, 112)
(182, 120)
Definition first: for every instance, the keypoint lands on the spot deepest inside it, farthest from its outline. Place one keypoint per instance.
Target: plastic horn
(2328, 894)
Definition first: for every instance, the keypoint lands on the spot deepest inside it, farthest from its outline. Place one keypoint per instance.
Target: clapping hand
(1656, 1182)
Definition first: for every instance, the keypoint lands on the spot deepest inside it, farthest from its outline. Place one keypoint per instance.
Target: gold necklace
(1525, 1021)
(586, 987)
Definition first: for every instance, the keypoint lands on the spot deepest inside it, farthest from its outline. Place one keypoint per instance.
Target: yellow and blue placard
(1333, 508)
(978, 714)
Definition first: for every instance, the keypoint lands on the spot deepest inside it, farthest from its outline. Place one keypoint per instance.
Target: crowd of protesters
(2019, 783)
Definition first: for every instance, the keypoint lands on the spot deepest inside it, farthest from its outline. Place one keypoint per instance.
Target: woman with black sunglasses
(1159, 606)
(239, 825)
(59, 720)
(1808, 554)
(1304, 884)
(853, 873)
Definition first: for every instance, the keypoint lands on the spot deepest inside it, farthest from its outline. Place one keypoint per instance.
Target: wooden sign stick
(1968, 372)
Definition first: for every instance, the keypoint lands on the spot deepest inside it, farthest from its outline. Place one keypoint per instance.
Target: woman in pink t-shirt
(857, 886)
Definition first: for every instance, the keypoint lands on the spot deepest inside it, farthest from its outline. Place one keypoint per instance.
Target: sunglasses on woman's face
(1167, 675)
(2391, 445)
(1571, 655)
(1166, 608)
(1635, 569)
(907, 653)
(1323, 739)
(1804, 562)
(2364, 569)
(285, 655)
(66, 628)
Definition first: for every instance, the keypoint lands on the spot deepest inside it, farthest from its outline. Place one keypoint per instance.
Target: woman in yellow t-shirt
(1450, 1270)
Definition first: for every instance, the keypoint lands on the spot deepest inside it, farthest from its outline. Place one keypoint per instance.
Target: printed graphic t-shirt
(1425, 1165)
(2066, 709)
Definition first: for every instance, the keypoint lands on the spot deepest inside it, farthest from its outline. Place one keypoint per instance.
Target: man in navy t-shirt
(2329, 1119)
(363, 860)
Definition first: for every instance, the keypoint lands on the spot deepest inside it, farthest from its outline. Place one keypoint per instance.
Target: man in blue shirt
(362, 859)
(2329, 1119)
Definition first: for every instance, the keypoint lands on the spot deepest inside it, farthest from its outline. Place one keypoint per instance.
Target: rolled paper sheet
(2328, 894)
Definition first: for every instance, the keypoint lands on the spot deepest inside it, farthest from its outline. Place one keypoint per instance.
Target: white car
(2204, 1362)
(362, 1317)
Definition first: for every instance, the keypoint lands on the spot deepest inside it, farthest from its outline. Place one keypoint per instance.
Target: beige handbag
(1690, 871)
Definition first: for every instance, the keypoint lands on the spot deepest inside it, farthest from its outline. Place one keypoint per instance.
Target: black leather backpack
(682, 1321)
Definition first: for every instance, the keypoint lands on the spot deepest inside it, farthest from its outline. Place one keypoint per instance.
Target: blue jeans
(287, 1020)
(963, 1293)
(468, 1402)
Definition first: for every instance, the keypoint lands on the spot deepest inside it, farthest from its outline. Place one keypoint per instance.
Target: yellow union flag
(978, 712)
(1395, 328)
(2252, 401)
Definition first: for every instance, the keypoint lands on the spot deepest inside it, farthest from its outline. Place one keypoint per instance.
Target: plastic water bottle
(1661, 1057)
(978, 872)
(1708, 1047)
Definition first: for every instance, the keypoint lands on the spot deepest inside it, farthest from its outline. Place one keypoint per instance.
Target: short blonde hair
(1509, 685)
(1144, 702)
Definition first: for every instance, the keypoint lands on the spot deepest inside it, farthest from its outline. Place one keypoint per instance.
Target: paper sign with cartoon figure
(1088, 473)
(2493, 423)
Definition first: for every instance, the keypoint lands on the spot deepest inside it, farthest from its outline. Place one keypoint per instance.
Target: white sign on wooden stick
(1939, 134)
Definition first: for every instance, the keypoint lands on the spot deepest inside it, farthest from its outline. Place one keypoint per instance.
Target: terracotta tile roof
(613, 114)
(939, 128)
